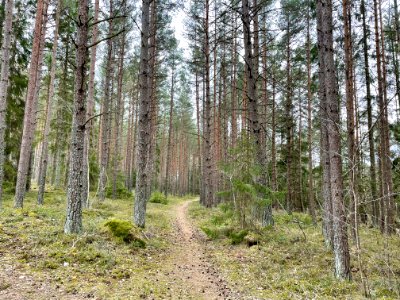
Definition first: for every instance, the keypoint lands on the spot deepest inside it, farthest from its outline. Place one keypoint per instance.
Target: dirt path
(192, 265)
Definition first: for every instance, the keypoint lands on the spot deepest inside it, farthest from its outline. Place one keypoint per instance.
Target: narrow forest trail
(192, 266)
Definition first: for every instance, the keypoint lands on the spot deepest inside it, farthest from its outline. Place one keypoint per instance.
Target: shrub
(124, 231)
(237, 237)
(211, 233)
(158, 197)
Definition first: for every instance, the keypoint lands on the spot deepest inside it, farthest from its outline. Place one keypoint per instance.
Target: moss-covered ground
(96, 264)
(290, 261)
(112, 259)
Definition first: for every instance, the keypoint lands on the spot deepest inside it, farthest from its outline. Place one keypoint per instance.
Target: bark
(274, 180)
(90, 108)
(73, 223)
(311, 200)
(31, 103)
(234, 88)
(106, 114)
(144, 134)
(129, 141)
(290, 197)
(208, 193)
(340, 242)
(5, 68)
(153, 94)
(119, 116)
(348, 49)
(372, 169)
(253, 116)
(169, 150)
(327, 220)
(49, 111)
(387, 205)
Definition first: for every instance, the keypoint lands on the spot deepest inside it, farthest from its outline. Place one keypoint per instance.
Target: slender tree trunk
(73, 223)
(49, 111)
(348, 49)
(387, 205)
(153, 94)
(274, 180)
(311, 200)
(340, 242)
(253, 116)
(119, 116)
(171, 111)
(106, 114)
(5, 68)
(208, 163)
(327, 221)
(234, 87)
(290, 197)
(372, 169)
(90, 108)
(30, 104)
(144, 136)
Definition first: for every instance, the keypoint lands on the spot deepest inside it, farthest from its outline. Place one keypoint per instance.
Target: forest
(225, 149)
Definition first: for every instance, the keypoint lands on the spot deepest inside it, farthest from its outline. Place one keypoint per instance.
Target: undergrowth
(111, 259)
(290, 261)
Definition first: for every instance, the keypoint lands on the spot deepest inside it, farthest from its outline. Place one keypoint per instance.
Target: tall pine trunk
(73, 223)
(49, 112)
(5, 68)
(144, 134)
(90, 108)
(331, 97)
(30, 104)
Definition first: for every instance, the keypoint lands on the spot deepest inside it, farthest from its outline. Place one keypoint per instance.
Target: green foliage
(237, 237)
(158, 197)
(211, 233)
(124, 230)
(248, 196)
(121, 192)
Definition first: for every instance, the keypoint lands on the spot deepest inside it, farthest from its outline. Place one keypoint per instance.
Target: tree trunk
(311, 200)
(73, 223)
(31, 104)
(327, 220)
(5, 68)
(106, 114)
(254, 123)
(171, 111)
(119, 116)
(372, 169)
(208, 194)
(90, 108)
(290, 197)
(353, 174)
(340, 242)
(144, 135)
(49, 112)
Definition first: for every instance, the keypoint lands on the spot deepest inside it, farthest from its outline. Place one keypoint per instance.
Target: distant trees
(270, 83)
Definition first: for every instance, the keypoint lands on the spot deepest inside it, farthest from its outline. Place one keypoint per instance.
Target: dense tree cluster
(289, 104)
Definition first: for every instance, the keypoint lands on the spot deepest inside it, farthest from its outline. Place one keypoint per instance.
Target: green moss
(125, 231)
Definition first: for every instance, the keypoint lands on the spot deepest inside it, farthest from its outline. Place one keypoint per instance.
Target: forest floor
(39, 262)
(179, 261)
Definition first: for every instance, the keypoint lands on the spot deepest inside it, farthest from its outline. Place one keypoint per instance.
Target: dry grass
(291, 261)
